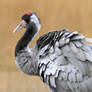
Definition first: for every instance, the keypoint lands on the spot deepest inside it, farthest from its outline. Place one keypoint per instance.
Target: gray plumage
(62, 59)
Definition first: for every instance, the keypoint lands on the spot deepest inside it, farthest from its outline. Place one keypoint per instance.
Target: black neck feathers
(26, 38)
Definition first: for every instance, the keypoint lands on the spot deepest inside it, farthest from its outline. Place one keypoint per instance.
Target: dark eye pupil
(26, 18)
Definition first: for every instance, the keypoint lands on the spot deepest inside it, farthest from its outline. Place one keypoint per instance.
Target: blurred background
(76, 15)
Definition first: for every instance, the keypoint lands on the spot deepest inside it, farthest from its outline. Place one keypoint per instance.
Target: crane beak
(20, 26)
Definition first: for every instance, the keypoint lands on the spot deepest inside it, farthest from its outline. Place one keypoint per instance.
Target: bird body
(68, 67)
(62, 59)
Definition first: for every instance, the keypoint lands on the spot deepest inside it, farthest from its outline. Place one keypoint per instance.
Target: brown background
(54, 14)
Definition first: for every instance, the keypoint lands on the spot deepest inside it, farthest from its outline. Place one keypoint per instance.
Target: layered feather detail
(65, 61)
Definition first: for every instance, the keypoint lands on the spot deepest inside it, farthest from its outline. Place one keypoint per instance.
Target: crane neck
(26, 38)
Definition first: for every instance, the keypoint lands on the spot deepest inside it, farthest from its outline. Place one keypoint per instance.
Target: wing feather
(68, 64)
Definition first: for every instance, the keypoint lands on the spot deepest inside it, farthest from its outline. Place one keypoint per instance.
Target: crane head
(27, 19)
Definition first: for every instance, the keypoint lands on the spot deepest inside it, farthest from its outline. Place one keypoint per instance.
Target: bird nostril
(23, 23)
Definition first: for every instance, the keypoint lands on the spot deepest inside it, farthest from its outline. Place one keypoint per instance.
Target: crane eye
(26, 17)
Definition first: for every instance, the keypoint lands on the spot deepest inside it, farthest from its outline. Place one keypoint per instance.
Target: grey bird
(62, 59)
